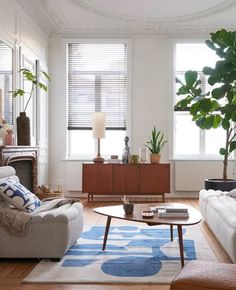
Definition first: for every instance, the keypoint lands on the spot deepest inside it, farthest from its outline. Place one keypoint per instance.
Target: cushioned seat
(201, 275)
(219, 211)
(50, 233)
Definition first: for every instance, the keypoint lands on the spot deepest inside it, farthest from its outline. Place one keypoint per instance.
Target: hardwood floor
(12, 271)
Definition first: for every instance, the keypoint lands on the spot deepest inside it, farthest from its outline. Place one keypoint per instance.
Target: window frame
(65, 146)
(172, 135)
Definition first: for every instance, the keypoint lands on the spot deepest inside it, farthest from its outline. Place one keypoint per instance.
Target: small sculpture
(126, 151)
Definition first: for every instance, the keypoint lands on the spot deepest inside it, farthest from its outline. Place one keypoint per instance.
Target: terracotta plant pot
(23, 129)
(155, 158)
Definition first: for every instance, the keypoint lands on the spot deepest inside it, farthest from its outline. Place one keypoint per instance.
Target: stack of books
(173, 212)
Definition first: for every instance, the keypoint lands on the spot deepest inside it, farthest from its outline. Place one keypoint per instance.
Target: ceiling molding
(132, 31)
(92, 7)
(53, 14)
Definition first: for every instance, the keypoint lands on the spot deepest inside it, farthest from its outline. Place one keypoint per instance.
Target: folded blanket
(17, 222)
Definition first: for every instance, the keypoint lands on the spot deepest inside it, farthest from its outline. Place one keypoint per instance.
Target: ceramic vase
(23, 129)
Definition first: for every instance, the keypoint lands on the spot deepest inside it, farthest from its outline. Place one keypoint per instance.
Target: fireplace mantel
(25, 161)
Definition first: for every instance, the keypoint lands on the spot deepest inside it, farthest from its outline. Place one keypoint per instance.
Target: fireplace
(24, 159)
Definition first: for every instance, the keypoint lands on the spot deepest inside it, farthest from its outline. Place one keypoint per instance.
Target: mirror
(6, 55)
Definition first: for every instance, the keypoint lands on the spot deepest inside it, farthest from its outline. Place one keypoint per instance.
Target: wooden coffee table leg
(106, 232)
(181, 247)
(171, 233)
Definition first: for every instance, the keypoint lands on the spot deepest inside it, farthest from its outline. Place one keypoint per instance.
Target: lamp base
(98, 159)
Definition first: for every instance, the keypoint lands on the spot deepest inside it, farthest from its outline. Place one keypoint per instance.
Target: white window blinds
(97, 82)
(6, 81)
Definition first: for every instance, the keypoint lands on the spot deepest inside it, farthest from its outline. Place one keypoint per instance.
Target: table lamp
(98, 133)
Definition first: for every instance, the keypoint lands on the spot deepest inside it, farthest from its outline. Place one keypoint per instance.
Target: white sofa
(50, 233)
(219, 211)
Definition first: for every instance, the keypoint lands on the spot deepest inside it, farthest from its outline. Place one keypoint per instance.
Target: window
(6, 82)
(189, 140)
(97, 82)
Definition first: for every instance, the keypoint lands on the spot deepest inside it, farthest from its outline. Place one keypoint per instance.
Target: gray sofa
(50, 233)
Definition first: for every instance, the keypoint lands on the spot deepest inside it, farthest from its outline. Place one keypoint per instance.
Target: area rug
(133, 254)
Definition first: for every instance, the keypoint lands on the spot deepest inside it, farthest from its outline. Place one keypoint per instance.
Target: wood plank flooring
(12, 271)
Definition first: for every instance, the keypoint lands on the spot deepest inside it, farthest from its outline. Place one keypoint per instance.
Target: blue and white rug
(133, 254)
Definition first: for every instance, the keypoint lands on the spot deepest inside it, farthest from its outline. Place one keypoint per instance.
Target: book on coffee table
(177, 214)
(168, 209)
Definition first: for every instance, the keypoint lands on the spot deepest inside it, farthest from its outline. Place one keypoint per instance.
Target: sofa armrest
(64, 213)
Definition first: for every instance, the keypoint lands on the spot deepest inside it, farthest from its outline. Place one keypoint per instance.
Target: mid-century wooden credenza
(126, 179)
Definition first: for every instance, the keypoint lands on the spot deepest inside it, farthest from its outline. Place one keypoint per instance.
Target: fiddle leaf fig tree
(217, 107)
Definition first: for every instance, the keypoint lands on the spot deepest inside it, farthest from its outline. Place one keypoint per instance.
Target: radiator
(190, 175)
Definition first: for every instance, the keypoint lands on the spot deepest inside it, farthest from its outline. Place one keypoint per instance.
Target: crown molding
(171, 31)
(133, 25)
(92, 7)
(58, 19)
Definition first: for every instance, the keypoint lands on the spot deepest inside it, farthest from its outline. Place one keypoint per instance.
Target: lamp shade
(98, 125)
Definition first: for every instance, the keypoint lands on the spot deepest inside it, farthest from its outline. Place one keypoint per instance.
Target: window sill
(200, 158)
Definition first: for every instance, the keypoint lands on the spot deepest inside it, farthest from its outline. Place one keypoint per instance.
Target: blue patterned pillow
(19, 196)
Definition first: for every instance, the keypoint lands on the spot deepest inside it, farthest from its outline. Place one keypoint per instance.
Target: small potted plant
(155, 144)
(23, 122)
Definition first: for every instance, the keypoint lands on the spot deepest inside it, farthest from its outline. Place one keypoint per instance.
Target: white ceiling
(131, 16)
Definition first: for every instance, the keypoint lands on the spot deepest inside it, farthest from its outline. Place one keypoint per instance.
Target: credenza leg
(163, 197)
(106, 232)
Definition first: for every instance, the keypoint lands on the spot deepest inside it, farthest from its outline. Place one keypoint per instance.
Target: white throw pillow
(232, 193)
(19, 196)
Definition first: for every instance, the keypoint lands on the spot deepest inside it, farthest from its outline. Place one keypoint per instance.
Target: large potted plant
(23, 122)
(155, 144)
(217, 107)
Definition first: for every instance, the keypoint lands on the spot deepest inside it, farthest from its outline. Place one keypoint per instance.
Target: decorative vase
(155, 158)
(23, 129)
(9, 137)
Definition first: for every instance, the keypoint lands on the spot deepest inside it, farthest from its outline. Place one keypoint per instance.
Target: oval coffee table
(117, 211)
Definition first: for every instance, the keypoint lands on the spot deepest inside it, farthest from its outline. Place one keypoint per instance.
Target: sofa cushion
(19, 196)
(232, 193)
(13, 179)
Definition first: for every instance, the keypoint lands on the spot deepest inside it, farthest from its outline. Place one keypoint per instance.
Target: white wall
(151, 104)
(20, 32)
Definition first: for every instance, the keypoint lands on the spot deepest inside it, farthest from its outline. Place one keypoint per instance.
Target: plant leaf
(223, 151)
(190, 78)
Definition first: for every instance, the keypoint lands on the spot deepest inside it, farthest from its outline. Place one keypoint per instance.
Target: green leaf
(217, 121)
(218, 93)
(214, 106)
(210, 44)
(190, 78)
(223, 151)
(207, 70)
(194, 108)
(233, 116)
(225, 124)
(212, 80)
(232, 146)
(208, 122)
(200, 122)
(205, 105)
(183, 91)
(46, 75)
(18, 93)
(198, 82)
